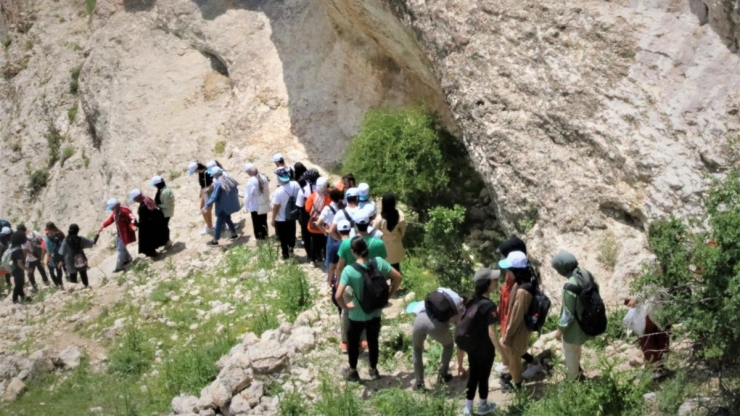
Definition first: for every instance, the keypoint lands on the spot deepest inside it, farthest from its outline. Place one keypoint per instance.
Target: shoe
(363, 345)
(487, 408)
(374, 374)
(505, 378)
(445, 377)
(212, 243)
(34, 289)
(467, 412)
(343, 347)
(662, 374)
(507, 387)
(234, 237)
(501, 369)
(532, 371)
(114, 271)
(351, 376)
(206, 231)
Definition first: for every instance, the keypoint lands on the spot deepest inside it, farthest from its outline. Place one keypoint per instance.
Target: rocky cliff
(587, 119)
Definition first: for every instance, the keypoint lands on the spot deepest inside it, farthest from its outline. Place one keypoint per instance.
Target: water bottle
(534, 319)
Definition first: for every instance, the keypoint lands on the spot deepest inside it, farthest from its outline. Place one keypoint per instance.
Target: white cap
(112, 203)
(192, 167)
(215, 171)
(322, 183)
(352, 192)
(515, 260)
(211, 164)
(364, 190)
(361, 217)
(5, 231)
(370, 210)
(277, 157)
(248, 166)
(134, 194)
(343, 225)
(156, 180)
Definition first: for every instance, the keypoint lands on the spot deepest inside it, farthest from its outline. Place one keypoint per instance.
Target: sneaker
(234, 237)
(487, 408)
(467, 412)
(114, 271)
(532, 371)
(206, 231)
(374, 374)
(419, 387)
(212, 243)
(505, 378)
(351, 376)
(34, 289)
(501, 369)
(507, 386)
(662, 374)
(343, 347)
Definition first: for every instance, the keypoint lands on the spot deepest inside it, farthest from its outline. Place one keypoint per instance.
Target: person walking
(307, 182)
(515, 339)
(125, 229)
(326, 218)
(18, 264)
(429, 323)
(54, 260)
(257, 200)
(480, 320)
(314, 206)
(205, 181)
(333, 278)
(153, 231)
(363, 190)
(347, 212)
(285, 212)
(165, 200)
(73, 249)
(359, 319)
(392, 224)
(226, 198)
(35, 255)
(5, 233)
(279, 161)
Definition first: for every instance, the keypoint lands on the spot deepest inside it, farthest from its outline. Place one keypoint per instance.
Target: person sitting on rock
(126, 229)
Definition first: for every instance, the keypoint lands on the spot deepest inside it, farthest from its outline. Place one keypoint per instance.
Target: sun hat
(277, 158)
(344, 225)
(192, 168)
(112, 203)
(515, 260)
(352, 192)
(135, 193)
(215, 171)
(486, 274)
(156, 180)
(364, 191)
(283, 174)
(248, 166)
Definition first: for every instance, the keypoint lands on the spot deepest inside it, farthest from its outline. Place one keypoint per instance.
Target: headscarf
(158, 197)
(389, 212)
(512, 244)
(150, 204)
(564, 263)
(227, 182)
(298, 170)
(74, 241)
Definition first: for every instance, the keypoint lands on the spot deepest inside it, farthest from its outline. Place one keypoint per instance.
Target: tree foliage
(445, 252)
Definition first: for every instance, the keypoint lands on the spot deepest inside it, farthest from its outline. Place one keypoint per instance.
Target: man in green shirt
(569, 331)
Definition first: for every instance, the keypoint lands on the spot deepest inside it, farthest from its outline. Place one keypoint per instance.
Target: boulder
(253, 393)
(184, 404)
(250, 339)
(301, 340)
(220, 394)
(307, 318)
(14, 389)
(11, 366)
(40, 362)
(236, 374)
(268, 357)
(239, 406)
(69, 358)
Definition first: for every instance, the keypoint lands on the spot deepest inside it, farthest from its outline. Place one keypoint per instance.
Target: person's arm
(247, 195)
(87, 243)
(460, 366)
(340, 299)
(340, 266)
(493, 334)
(21, 262)
(106, 223)
(567, 313)
(212, 199)
(333, 232)
(396, 279)
(402, 228)
(331, 274)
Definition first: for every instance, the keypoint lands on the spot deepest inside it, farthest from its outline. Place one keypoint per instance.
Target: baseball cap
(361, 217)
(134, 194)
(486, 274)
(211, 164)
(322, 183)
(277, 157)
(370, 210)
(343, 225)
(5, 231)
(248, 166)
(283, 174)
(515, 260)
(215, 171)
(156, 180)
(112, 203)
(352, 192)
(364, 191)
(192, 167)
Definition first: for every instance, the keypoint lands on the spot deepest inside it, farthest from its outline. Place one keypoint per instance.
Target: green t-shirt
(353, 278)
(375, 248)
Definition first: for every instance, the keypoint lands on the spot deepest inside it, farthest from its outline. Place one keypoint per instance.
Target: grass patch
(67, 153)
(72, 113)
(294, 290)
(174, 174)
(608, 251)
(74, 82)
(220, 147)
(85, 159)
(54, 140)
(37, 182)
(397, 402)
(161, 293)
(90, 6)
(339, 400)
(133, 356)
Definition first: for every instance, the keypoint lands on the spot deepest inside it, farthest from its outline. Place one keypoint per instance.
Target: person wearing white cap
(364, 190)
(125, 228)
(152, 227)
(279, 161)
(369, 211)
(285, 212)
(257, 200)
(332, 255)
(206, 187)
(352, 196)
(165, 200)
(226, 199)
(315, 203)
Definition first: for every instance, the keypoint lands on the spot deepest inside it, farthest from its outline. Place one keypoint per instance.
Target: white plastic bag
(635, 320)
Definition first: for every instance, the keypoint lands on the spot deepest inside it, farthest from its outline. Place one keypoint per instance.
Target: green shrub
(417, 277)
(291, 404)
(68, 152)
(188, 370)
(608, 251)
(54, 140)
(338, 400)
(397, 402)
(161, 292)
(133, 356)
(74, 83)
(90, 6)
(85, 159)
(220, 147)
(263, 321)
(293, 289)
(72, 113)
(443, 245)
(37, 182)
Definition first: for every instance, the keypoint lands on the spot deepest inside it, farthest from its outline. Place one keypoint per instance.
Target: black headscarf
(298, 171)
(389, 212)
(159, 187)
(73, 240)
(512, 244)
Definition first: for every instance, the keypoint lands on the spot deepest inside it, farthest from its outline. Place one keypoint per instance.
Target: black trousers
(318, 245)
(83, 277)
(479, 365)
(56, 273)
(354, 336)
(32, 266)
(303, 218)
(259, 225)
(285, 231)
(18, 283)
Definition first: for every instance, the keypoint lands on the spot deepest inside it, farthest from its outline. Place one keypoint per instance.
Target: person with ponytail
(360, 320)
(392, 225)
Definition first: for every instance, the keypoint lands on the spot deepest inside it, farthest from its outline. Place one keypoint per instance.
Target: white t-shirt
(327, 215)
(307, 190)
(282, 195)
(370, 230)
(339, 216)
(253, 199)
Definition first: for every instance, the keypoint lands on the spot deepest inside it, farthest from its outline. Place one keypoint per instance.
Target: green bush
(133, 356)
(338, 400)
(74, 82)
(417, 277)
(90, 6)
(263, 321)
(37, 182)
(54, 140)
(72, 113)
(220, 147)
(443, 245)
(397, 402)
(291, 404)
(68, 152)
(188, 370)
(293, 289)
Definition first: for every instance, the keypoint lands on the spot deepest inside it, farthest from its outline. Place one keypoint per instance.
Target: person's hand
(272, 223)
(461, 372)
(100, 230)
(350, 306)
(631, 302)
(558, 335)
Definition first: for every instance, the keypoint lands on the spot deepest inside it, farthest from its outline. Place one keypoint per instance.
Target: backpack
(57, 242)
(592, 318)
(7, 262)
(536, 315)
(375, 289)
(439, 306)
(291, 209)
(464, 337)
(349, 218)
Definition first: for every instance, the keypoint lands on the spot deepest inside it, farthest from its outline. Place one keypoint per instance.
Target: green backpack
(7, 263)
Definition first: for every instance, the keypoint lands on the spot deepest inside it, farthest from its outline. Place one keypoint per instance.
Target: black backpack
(592, 318)
(536, 315)
(291, 209)
(439, 306)
(57, 241)
(375, 289)
(465, 339)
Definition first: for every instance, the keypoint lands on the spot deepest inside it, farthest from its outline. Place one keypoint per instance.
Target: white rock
(268, 357)
(184, 404)
(236, 374)
(650, 397)
(14, 389)
(69, 358)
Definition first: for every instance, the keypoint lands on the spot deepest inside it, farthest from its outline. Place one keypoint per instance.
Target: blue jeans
(123, 256)
(329, 240)
(221, 219)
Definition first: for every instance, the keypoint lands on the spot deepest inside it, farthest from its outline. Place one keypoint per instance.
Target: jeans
(259, 224)
(32, 266)
(83, 277)
(123, 257)
(372, 327)
(221, 219)
(56, 273)
(479, 365)
(285, 231)
(425, 326)
(329, 240)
